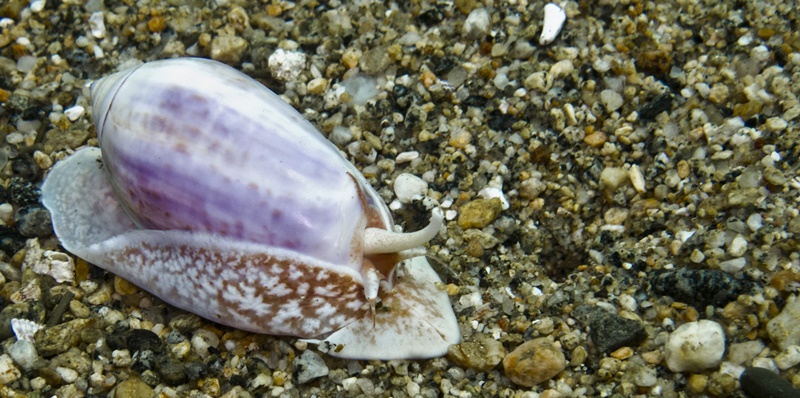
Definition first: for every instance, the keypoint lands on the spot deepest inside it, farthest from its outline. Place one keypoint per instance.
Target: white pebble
(561, 69)
(478, 21)
(67, 375)
(97, 25)
(8, 372)
(24, 354)
(789, 357)
(732, 266)
(738, 246)
(405, 157)
(554, 17)
(637, 178)
(755, 222)
(74, 113)
(695, 346)
(286, 65)
(6, 213)
(408, 187)
(774, 124)
(38, 5)
(611, 100)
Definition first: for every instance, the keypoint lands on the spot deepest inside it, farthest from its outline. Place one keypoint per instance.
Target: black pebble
(22, 192)
(763, 383)
(171, 372)
(661, 103)
(700, 288)
(609, 331)
(144, 340)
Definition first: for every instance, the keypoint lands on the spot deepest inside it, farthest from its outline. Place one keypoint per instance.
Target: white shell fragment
(554, 17)
(24, 329)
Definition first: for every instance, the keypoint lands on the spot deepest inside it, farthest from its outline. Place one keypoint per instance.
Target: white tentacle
(378, 241)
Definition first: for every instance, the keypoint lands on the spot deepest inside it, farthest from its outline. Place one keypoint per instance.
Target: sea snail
(216, 196)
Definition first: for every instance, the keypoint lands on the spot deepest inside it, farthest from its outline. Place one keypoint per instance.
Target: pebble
(733, 266)
(24, 354)
(788, 358)
(534, 362)
(612, 178)
(637, 179)
(405, 157)
(554, 17)
(782, 329)
(479, 213)
(609, 331)
(133, 387)
(97, 25)
(60, 338)
(8, 372)
(699, 288)
(738, 246)
(408, 187)
(229, 49)
(478, 23)
(759, 382)
(739, 353)
(481, 353)
(611, 100)
(309, 366)
(33, 221)
(774, 124)
(74, 113)
(695, 346)
(24, 329)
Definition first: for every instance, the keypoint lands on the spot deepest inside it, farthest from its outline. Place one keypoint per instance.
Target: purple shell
(215, 195)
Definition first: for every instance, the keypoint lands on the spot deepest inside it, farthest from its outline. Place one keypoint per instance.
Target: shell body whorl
(218, 197)
(227, 156)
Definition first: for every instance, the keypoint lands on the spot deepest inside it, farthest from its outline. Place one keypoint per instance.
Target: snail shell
(215, 195)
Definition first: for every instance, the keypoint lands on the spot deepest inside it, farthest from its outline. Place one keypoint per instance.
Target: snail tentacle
(378, 241)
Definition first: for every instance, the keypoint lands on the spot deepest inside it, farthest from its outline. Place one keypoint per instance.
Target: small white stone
(695, 346)
(554, 17)
(121, 358)
(286, 65)
(74, 113)
(8, 372)
(561, 69)
(789, 357)
(637, 178)
(38, 5)
(611, 100)
(405, 157)
(738, 246)
(755, 222)
(97, 25)
(775, 124)
(733, 265)
(67, 374)
(7, 213)
(478, 21)
(408, 187)
(24, 354)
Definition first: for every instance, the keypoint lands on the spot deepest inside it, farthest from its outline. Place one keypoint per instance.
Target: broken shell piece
(554, 17)
(24, 329)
